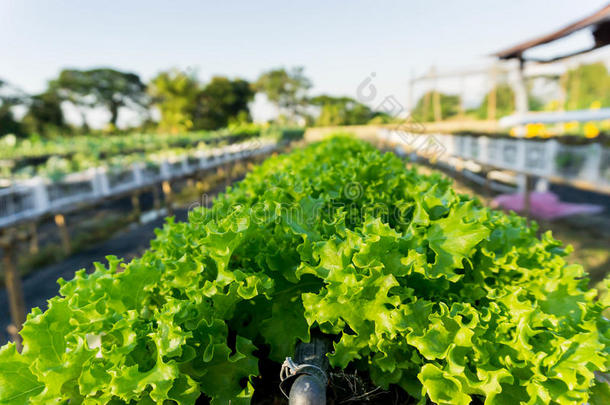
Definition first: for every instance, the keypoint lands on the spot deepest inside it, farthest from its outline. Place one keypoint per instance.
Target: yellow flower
(591, 130)
(533, 130)
(596, 105)
(571, 126)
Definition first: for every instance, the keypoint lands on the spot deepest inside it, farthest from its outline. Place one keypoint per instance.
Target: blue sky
(340, 43)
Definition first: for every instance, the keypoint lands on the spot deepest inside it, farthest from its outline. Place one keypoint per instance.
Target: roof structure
(599, 21)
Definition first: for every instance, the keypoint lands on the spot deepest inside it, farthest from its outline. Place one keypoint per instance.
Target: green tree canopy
(8, 123)
(424, 109)
(105, 87)
(587, 84)
(285, 88)
(175, 94)
(186, 104)
(341, 111)
(222, 100)
(45, 115)
(9, 97)
(505, 102)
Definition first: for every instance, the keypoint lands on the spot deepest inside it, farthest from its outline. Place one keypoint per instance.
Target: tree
(105, 87)
(8, 123)
(285, 88)
(9, 97)
(222, 100)
(44, 115)
(175, 94)
(185, 104)
(72, 86)
(505, 102)
(424, 109)
(587, 84)
(342, 111)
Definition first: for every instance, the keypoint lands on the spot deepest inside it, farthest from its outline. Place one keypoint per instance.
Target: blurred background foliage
(176, 100)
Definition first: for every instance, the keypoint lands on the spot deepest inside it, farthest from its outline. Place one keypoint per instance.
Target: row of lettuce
(419, 286)
(57, 157)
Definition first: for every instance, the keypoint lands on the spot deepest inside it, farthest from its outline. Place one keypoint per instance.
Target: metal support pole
(527, 204)
(521, 103)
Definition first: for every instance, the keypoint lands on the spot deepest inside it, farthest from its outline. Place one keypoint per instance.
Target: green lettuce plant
(420, 286)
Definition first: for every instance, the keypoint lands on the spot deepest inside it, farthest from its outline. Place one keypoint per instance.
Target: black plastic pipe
(305, 376)
(307, 390)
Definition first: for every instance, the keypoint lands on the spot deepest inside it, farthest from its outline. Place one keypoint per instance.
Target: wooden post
(135, 204)
(487, 186)
(33, 231)
(64, 235)
(491, 100)
(426, 105)
(491, 104)
(227, 174)
(156, 198)
(438, 115)
(459, 170)
(436, 96)
(574, 91)
(563, 90)
(411, 106)
(462, 110)
(13, 288)
(167, 192)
